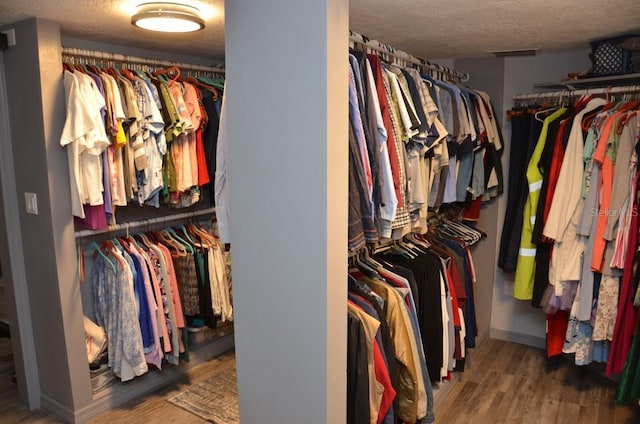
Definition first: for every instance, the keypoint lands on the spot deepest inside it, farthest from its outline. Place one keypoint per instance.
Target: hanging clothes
(417, 144)
(135, 138)
(585, 163)
(149, 288)
(525, 131)
(419, 292)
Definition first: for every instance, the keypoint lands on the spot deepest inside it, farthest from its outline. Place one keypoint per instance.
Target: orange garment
(203, 170)
(605, 185)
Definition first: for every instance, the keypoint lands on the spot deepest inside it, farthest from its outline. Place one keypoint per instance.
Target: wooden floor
(503, 383)
(511, 383)
(4, 314)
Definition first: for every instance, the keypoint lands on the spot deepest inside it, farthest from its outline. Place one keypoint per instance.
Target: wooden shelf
(627, 79)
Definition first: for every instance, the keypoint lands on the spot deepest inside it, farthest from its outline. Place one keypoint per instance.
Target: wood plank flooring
(4, 313)
(503, 383)
(511, 383)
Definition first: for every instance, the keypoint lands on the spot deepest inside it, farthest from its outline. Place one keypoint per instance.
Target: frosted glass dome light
(167, 17)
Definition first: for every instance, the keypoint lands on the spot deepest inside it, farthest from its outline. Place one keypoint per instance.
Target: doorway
(17, 348)
(7, 365)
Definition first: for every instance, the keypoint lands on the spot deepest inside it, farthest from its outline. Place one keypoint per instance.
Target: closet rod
(116, 57)
(402, 55)
(151, 221)
(569, 92)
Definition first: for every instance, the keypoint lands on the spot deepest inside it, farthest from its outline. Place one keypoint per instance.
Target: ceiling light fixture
(167, 17)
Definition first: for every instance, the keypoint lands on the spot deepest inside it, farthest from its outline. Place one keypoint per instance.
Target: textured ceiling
(433, 29)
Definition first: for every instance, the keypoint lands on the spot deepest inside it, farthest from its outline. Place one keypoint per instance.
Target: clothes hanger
(94, 69)
(169, 242)
(125, 245)
(468, 234)
(365, 267)
(621, 123)
(588, 119)
(93, 246)
(201, 84)
(368, 259)
(192, 234)
(131, 240)
(408, 244)
(413, 237)
(165, 239)
(167, 72)
(381, 249)
(182, 228)
(110, 246)
(144, 239)
(184, 243)
(540, 112)
(402, 249)
(127, 74)
(204, 232)
(218, 83)
(459, 231)
(116, 242)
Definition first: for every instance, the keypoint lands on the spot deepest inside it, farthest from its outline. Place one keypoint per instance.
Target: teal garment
(629, 387)
(206, 308)
(199, 320)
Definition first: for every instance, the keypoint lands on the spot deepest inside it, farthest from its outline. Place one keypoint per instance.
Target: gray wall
(13, 266)
(510, 318)
(287, 176)
(37, 110)
(486, 75)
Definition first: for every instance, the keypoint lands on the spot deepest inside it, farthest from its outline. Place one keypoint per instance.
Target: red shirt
(376, 69)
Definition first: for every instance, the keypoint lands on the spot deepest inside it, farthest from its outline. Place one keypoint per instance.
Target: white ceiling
(433, 29)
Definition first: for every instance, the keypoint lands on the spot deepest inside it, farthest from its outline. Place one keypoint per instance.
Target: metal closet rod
(122, 58)
(144, 222)
(568, 92)
(402, 55)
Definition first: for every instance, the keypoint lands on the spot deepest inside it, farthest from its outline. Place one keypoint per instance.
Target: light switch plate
(31, 203)
(11, 36)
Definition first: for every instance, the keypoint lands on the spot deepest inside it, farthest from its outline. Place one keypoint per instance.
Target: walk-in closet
(319, 211)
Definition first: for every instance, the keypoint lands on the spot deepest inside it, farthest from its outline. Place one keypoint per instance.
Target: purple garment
(106, 182)
(95, 218)
(551, 303)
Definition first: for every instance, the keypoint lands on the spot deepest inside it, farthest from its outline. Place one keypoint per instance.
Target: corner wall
(513, 319)
(487, 74)
(36, 113)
